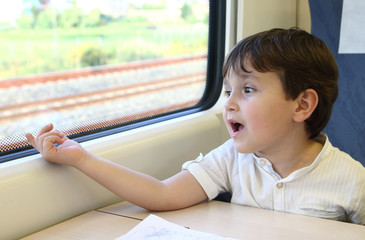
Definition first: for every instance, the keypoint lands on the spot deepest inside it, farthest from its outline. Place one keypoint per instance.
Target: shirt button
(279, 185)
(262, 162)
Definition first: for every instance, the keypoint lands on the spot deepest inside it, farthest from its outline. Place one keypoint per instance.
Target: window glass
(89, 65)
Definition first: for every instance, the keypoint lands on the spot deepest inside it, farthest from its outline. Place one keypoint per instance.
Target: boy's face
(257, 114)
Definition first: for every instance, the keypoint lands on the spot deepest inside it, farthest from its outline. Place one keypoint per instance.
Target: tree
(37, 6)
(93, 19)
(46, 19)
(186, 12)
(25, 21)
(71, 18)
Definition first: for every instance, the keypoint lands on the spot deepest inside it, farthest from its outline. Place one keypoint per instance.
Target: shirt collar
(267, 166)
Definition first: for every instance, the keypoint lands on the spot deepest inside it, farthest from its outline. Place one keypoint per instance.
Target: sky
(11, 10)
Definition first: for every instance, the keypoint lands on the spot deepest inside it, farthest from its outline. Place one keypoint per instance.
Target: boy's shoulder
(340, 162)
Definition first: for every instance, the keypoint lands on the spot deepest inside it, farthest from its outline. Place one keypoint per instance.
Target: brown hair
(302, 62)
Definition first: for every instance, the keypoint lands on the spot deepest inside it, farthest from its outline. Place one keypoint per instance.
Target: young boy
(280, 86)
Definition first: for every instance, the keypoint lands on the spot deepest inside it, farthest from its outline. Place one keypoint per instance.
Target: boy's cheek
(225, 120)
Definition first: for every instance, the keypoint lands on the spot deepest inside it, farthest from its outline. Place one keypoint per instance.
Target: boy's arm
(179, 191)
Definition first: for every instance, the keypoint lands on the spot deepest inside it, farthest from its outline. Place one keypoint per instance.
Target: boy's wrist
(84, 159)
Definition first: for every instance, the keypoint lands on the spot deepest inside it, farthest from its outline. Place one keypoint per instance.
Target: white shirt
(332, 187)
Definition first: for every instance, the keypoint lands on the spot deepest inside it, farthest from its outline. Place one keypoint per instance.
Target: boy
(280, 86)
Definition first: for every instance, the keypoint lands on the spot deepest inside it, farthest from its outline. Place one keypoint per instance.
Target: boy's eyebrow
(248, 75)
(225, 82)
(242, 75)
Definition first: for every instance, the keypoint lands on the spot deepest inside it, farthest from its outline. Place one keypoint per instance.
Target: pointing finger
(45, 129)
(31, 139)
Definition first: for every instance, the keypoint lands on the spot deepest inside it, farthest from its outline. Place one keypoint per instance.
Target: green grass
(28, 52)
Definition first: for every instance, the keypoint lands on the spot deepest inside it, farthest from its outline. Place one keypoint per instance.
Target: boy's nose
(231, 104)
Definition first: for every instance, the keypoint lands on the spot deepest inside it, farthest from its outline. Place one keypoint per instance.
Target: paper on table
(154, 227)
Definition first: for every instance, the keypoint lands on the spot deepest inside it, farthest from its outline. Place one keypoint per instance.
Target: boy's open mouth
(236, 127)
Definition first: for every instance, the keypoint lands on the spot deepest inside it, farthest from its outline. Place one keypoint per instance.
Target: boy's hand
(68, 152)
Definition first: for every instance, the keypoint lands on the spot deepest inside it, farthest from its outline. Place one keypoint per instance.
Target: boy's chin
(242, 148)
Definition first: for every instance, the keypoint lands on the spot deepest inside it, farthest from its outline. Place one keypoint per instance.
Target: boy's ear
(307, 102)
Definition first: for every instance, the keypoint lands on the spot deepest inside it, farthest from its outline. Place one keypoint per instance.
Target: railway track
(101, 96)
(95, 98)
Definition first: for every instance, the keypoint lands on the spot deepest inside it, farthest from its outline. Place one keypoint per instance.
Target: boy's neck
(296, 156)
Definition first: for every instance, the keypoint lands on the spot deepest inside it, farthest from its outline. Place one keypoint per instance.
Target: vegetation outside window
(91, 66)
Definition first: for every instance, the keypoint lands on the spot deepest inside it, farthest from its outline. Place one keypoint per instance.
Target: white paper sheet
(154, 227)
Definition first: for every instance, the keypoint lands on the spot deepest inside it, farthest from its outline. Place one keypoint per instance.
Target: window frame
(212, 92)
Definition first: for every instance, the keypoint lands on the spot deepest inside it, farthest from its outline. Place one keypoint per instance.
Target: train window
(98, 67)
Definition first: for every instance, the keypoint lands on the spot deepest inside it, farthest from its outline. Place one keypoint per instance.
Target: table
(224, 219)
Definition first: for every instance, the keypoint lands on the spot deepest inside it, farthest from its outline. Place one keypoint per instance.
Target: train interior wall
(36, 194)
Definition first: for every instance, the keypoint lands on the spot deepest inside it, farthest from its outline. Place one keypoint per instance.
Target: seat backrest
(346, 129)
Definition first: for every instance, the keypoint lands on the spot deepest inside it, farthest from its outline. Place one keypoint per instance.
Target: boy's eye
(227, 93)
(248, 90)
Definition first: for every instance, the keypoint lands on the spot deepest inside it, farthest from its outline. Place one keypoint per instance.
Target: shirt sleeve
(213, 170)
(359, 215)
